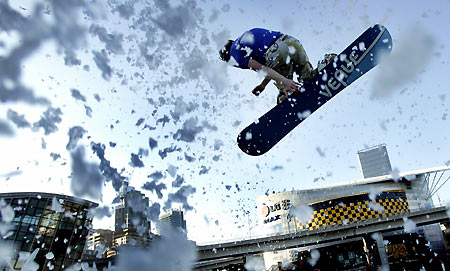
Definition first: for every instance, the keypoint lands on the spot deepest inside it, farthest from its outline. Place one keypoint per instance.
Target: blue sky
(164, 63)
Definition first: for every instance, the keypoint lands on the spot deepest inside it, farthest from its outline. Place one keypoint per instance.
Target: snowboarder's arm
(259, 88)
(288, 84)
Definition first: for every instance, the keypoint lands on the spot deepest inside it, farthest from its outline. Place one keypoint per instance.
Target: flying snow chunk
(248, 136)
(152, 143)
(18, 120)
(86, 177)
(172, 252)
(6, 211)
(76, 94)
(248, 38)
(315, 255)
(302, 213)
(395, 174)
(254, 263)
(6, 255)
(99, 212)
(50, 255)
(102, 61)
(405, 64)
(5, 129)
(136, 161)
(48, 120)
(29, 263)
(304, 114)
(362, 46)
(376, 207)
(75, 134)
(56, 206)
(409, 225)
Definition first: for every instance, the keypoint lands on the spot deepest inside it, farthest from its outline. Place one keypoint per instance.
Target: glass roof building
(51, 225)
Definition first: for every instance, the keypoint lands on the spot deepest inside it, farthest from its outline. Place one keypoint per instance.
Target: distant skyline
(124, 90)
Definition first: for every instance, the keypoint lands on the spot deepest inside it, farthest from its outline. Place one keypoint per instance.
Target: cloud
(408, 60)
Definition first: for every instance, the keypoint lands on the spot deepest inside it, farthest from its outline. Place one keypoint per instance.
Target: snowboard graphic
(357, 59)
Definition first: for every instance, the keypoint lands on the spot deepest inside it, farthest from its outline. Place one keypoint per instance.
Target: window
(42, 203)
(24, 227)
(30, 210)
(33, 202)
(39, 212)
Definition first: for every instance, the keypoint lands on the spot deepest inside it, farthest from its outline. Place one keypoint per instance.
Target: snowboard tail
(358, 58)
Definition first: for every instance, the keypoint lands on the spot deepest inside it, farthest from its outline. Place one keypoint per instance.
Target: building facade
(132, 226)
(97, 244)
(132, 210)
(53, 226)
(374, 161)
(175, 219)
(379, 196)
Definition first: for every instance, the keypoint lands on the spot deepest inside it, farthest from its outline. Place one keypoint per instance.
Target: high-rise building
(98, 242)
(174, 218)
(374, 161)
(52, 226)
(131, 224)
(132, 210)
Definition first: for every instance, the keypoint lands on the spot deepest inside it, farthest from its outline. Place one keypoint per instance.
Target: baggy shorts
(287, 56)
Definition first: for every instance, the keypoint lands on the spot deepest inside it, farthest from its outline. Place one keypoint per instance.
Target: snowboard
(358, 58)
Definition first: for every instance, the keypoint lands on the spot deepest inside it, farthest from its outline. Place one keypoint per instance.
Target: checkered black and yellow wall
(354, 208)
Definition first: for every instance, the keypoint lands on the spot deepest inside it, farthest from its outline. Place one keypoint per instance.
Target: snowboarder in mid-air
(276, 54)
(261, 49)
